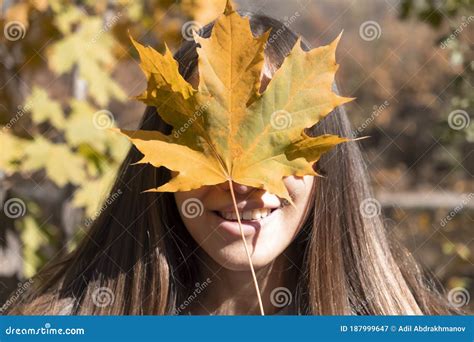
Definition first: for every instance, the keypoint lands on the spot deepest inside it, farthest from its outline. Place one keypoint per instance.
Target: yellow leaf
(43, 108)
(135, 10)
(311, 148)
(101, 87)
(83, 126)
(11, 152)
(62, 166)
(90, 195)
(66, 19)
(225, 129)
(33, 238)
(80, 127)
(118, 146)
(89, 48)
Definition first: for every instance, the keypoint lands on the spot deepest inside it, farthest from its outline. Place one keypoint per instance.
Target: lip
(249, 227)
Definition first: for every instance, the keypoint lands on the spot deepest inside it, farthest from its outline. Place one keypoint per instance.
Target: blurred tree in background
(446, 13)
(67, 72)
(58, 159)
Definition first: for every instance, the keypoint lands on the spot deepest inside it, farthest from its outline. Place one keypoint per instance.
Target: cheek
(191, 207)
(300, 189)
(293, 216)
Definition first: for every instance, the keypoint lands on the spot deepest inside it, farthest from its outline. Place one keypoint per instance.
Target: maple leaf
(88, 49)
(42, 154)
(43, 108)
(13, 151)
(226, 130)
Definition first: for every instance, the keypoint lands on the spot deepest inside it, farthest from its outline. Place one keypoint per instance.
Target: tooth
(247, 215)
(256, 214)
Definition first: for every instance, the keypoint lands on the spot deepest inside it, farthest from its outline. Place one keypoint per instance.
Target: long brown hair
(140, 251)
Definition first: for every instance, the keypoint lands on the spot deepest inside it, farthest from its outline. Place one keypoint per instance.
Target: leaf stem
(257, 289)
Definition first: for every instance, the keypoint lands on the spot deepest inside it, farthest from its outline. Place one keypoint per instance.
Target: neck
(233, 292)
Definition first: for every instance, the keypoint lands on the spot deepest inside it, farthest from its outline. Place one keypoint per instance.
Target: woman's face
(269, 223)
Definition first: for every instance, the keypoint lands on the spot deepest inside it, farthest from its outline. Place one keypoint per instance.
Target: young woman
(146, 254)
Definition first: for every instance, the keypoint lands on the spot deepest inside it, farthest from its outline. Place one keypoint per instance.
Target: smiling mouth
(246, 215)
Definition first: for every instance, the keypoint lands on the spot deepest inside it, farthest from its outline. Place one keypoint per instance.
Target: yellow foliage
(43, 108)
(62, 165)
(80, 127)
(32, 238)
(91, 194)
(11, 152)
(88, 49)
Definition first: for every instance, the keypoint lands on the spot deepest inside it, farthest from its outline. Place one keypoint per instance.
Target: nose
(238, 188)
